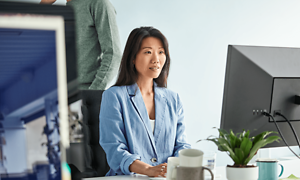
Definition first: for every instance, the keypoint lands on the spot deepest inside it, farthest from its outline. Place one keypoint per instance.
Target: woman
(141, 121)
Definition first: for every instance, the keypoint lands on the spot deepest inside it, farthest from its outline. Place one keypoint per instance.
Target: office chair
(95, 162)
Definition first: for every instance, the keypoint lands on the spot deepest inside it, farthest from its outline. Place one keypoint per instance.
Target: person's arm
(108, 36)
(181, 139)
(112, 134)
(152, 171)
(47, 1)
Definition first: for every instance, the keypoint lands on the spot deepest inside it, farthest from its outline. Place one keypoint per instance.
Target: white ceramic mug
(190, 158)
(171, 169)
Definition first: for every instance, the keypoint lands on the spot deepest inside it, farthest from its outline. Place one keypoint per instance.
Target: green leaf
(219, 141)
(240, 155)
(246, 145)
(231, 153)
(233, 140)
(247, 134)
(262, 136)
(223, 141)
(238, 142)
(271, 139)
(261, 144)
(223, 132)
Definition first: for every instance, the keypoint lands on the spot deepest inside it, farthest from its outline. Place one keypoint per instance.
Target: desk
(291, 166)
(125, 177)
(132, 177)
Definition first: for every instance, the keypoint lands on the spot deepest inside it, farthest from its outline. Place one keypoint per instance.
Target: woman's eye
(161, 52)
(148, 52)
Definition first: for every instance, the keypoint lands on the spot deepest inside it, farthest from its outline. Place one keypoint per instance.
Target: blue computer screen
(29, 130)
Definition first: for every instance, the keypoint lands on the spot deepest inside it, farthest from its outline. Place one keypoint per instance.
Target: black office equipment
(67, 13)
(95, 157)
(262, 79)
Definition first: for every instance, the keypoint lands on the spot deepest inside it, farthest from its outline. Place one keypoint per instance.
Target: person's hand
(47, 1)
(157, 171)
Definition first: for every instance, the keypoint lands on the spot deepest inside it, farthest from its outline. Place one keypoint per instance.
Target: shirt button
(153, 160)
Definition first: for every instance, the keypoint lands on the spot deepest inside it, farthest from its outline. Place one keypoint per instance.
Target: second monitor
(261, 79)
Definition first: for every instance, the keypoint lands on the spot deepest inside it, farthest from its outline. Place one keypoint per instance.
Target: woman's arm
(181, 139)
(112, 134)
(47, 1)
(152, 171)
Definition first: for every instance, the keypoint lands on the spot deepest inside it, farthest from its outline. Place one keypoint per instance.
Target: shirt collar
(132, 89)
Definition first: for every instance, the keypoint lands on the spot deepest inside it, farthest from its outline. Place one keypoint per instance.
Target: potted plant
(241, 148)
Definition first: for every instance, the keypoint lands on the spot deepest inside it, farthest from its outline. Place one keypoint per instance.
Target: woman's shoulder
(169, 94)
(116, 89)
(115, 93)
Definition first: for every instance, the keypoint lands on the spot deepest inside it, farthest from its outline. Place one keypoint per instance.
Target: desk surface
(291, 166)
(130, 177)
(126, 177)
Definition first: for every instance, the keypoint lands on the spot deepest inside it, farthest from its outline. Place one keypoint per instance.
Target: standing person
(97, 42)
(141, 121)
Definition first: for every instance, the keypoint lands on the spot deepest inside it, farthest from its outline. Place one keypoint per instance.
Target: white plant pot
(235, 173)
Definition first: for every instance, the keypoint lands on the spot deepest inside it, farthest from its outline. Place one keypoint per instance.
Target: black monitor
(261, 79)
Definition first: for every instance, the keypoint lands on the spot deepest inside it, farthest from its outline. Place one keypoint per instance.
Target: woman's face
(150, 59)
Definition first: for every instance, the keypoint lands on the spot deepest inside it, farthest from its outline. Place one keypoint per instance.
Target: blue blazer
(125, 129)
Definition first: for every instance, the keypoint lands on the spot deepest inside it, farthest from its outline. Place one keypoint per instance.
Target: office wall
(199, 33)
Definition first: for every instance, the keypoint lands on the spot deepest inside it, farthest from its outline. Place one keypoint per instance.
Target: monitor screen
(69, 27)
(33, 96)
(261, 79)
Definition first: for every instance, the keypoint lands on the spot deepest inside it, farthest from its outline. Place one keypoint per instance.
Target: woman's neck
(146, 86)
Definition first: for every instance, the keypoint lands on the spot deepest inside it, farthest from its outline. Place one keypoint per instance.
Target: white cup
(171, 170)
(190, 158)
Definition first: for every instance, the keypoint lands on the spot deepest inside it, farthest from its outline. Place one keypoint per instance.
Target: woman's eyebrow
(147, 47)
(151, 48)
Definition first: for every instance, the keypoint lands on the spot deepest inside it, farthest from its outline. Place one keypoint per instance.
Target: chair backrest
(95, 157)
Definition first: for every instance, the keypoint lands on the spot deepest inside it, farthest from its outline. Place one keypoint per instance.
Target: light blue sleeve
(181, 139)
(112, 134)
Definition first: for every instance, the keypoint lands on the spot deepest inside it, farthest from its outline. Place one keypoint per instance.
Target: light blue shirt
(125, 129)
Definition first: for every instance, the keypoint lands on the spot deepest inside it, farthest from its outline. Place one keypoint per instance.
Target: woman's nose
(155, 58)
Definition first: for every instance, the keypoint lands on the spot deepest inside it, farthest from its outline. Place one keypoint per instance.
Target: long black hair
(127, 72)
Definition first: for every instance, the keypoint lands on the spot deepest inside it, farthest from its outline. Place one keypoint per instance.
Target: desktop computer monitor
(69, 28)
(33, 97)
(261, 79)
(74, 95)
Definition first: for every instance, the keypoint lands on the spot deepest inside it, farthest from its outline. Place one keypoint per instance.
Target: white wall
(199, 33)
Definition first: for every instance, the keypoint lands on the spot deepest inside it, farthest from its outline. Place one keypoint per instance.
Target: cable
(269, 115)
(295, 134)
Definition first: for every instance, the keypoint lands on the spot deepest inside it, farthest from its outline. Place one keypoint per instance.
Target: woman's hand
(157, 171)
(47, 1)
(152, 171)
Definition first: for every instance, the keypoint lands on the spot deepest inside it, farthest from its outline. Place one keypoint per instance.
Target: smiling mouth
(154, 68)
